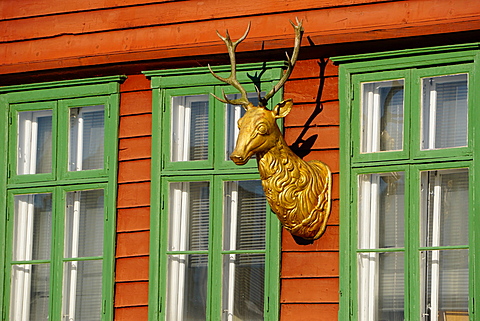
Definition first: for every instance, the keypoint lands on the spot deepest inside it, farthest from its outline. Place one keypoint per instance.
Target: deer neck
(276, 160)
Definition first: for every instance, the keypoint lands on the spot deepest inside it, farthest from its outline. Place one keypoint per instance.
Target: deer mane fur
(298, 191)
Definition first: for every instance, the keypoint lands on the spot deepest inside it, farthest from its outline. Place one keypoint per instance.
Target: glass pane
(187, 287)
(232, 114)
(381, 286)
(30, 292)
(445, 284)
(32, 229)
(381, 210)
(84, 223)
(87, 130)
(243, 286)
(189, 138)
(445, 207)
(189, 216)
(82, 290)
(34, 142)
(444, 111)
(244, 216)
(382, 116)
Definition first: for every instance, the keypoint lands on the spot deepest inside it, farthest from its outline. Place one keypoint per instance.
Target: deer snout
(239, 160)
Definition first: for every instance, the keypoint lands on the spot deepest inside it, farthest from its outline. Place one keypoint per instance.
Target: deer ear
(283, 108)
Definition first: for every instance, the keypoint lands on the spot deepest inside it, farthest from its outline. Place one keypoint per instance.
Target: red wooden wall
(49, 34)
(309, 273)
(133, 214)
(44, 40)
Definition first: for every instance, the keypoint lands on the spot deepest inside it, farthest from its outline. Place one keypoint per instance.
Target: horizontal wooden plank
(302, 312)
(334, 218)
(331, 157)
(134, 171)
(314, 114)
(133, 244)
(133, 195)
(133, 219)
(131, 294)
(322, 137)
(329, 241)
(314, 68)
(137, 102)
(135, 83)
(312, 90)
(135, 148)
(131, 269)
(14, 9)
(311, 290)
(309, 264)
(131, 313)
(323, 27)
(135, 126)
(124, 16)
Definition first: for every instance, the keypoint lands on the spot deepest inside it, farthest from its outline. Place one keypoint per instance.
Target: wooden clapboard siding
(310, 273)
(71, 35)
(77, 38)
(133, 213)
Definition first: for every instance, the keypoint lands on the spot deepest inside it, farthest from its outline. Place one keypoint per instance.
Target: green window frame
(402, 240)
(207, 175)
(59, 198)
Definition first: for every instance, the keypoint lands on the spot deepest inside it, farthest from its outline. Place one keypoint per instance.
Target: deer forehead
(256, 115)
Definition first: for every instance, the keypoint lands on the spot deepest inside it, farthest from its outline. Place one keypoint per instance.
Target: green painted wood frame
(189, 81)
(418, 63)
(59, 96)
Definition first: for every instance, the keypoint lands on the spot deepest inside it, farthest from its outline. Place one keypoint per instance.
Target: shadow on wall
(302, 147)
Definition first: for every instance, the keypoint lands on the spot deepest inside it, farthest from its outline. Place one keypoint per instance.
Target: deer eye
(262, 129)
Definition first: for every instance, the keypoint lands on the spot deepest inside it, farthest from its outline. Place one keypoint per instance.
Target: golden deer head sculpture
(298, 192)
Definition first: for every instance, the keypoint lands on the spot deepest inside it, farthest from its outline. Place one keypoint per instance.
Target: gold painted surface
(298, 192)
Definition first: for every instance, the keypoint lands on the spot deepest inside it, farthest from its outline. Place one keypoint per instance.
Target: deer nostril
(237, 159)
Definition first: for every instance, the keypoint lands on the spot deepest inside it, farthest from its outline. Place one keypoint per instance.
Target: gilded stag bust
(298, 192)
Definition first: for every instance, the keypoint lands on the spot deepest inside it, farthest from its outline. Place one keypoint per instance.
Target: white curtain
(445, 111)
(244, 230)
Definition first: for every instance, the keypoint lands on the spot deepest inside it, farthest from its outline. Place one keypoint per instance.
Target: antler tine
(232, 79)
(290, 61)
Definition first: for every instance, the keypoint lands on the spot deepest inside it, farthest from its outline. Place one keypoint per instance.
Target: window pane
(82, 290)
(381, 286)
(30, 292)
(444, 111)
(189, 216)
(32, 228)
(243, 287)
(84, 223)
(232, 114)
(244, 216)
(87, 130)
(187, 287)
(382, 116)
(445, 283)
(189, 137)
(381, 210)
(34, 142)
(445, 207)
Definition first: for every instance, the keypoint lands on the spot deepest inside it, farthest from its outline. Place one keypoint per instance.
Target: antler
(232, 79)
(290, 62)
